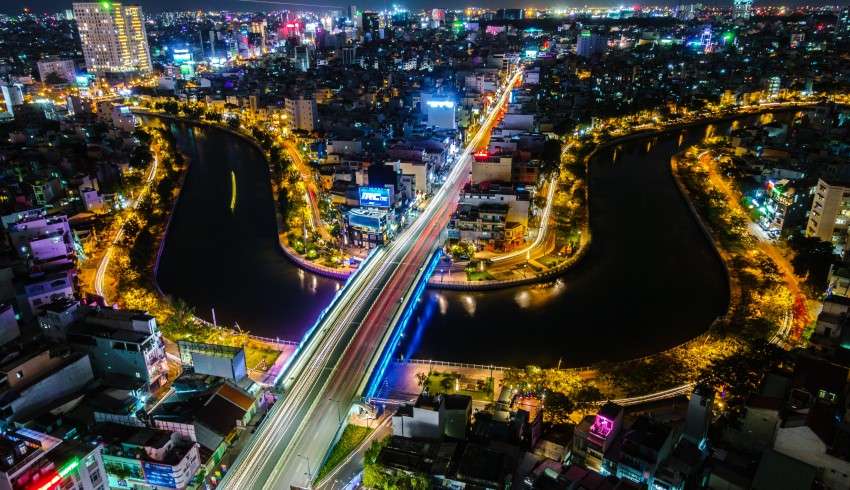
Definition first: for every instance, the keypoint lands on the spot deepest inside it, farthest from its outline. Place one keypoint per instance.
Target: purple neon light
(602, 426)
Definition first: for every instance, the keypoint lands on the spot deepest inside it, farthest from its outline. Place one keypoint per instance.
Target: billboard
(181, 55)
(374, 197)
(161, 475)
(365, 222)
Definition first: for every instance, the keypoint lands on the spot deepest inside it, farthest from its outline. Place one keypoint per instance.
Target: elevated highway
(337, 360)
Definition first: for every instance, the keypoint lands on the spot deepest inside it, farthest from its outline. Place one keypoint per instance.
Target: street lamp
(309, 473)
(338, 412)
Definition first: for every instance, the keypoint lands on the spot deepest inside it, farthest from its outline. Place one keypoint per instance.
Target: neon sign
(602, 426)
(441, 104)
(378, 197)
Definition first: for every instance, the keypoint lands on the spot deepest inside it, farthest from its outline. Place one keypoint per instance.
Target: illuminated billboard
(161, 475)
(181, 55)
(365, 222)
(374, 197)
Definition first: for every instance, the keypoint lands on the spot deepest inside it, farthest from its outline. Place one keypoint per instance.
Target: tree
(551, 154)
(233, 123)
(140, 157)
(736, 376)
(170, 106)
(183, 313)
(54, 78)
(812, 258)
(558, 407)
(165, 189)
(447, 382)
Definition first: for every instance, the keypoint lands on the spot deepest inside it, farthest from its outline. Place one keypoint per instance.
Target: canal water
(221, 250)
(649, 281)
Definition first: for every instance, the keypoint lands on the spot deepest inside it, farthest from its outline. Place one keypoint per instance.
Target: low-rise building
(32, 460)
(213, 359)
(486, 168)
(434, 417)
(595, 434)
(9, 329)
(646, 444)
(34, 377)
(140, 457)
(487, 225)
(368, 227)
(41, 289)
(122, 343)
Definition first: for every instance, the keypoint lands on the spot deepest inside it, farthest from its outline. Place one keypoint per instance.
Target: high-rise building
(774, 85)
(302, 113)
(303, 57)
(371, 22)
(830, 213)
(699, 413)
(844, 20)
(742, 9)
(591, 43)
(12, 96)
(113, 37)
(349, 55)
(61, 70)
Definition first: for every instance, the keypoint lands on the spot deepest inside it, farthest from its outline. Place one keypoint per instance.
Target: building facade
(830, 213)
(302, 113)
(742, 9)
(36, 460)
(113, 37)
(63, 69)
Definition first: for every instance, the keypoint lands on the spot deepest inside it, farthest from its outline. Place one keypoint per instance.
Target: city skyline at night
(265, 245)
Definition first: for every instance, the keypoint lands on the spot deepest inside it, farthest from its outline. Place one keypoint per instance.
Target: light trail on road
(107, 255)
(341, 351)
(541, 233)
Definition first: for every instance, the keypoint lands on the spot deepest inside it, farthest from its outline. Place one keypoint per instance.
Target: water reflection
(649, 280)
(230, 259)
(469, 304)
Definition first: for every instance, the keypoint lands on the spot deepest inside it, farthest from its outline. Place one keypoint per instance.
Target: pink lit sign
(602, 426)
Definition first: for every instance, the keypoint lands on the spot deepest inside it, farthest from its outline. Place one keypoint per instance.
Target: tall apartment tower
(830, 213)
(113, 37)
(742, 9)
(302, 113)
(591, 43)
(844, 20)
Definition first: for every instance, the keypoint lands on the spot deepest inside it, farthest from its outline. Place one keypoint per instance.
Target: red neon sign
(46, 485)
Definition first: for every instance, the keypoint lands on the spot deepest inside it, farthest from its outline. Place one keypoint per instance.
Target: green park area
(351, 437)
(453, 383)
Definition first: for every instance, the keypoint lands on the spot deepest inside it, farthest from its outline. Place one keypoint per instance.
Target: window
(19, 374)
(825, 395)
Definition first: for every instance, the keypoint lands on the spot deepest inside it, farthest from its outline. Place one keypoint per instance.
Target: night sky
(14, 6)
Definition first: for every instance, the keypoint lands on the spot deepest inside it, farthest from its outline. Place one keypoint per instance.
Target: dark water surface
(215, 257)
(649, 281)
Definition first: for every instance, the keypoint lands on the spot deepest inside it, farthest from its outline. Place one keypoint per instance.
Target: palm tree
(183, 314)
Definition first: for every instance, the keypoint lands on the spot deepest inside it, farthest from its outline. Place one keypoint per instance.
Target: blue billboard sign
(374, 197)
(160, 475)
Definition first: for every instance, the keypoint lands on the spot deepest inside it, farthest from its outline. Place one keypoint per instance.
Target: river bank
(649, 317)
